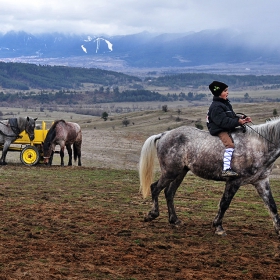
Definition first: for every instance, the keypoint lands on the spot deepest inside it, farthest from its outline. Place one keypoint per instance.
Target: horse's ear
(27, 118)
(35, 119)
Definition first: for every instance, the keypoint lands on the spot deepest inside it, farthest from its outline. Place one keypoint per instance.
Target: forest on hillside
(196, 80)
(23, 76)
(65, 85)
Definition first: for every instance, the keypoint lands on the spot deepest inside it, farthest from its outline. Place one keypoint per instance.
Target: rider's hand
(243, 121)
(248, 119)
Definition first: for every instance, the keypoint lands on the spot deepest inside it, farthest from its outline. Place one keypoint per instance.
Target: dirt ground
(87, 223)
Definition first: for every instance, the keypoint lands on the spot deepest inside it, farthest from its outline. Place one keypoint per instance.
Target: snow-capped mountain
(143, 49)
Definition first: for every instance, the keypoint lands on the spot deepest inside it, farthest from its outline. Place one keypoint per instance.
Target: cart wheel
(30, 155)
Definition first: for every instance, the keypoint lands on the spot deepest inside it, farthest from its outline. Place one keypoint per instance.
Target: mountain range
(142, 50)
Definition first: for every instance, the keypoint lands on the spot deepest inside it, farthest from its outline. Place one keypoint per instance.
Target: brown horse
(64, 134)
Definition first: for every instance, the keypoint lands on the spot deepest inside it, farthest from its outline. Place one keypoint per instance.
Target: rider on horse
(221, 120)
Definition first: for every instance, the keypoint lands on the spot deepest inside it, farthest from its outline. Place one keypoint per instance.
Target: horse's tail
(146, 164)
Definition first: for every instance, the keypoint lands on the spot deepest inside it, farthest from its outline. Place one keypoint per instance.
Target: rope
(260, 134)
(244, 116)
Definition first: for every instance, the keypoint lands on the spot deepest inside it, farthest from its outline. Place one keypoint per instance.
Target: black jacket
(221, 116)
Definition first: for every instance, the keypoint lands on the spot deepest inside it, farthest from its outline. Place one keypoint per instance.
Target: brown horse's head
(49, 144)
(47, 149)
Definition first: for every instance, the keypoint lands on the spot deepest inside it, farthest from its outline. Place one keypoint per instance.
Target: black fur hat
(217, 88)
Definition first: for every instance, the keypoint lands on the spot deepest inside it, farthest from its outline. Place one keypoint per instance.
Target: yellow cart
(31, 152)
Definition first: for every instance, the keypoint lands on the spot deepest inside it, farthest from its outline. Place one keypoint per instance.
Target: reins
(246, 124)
(259, 134)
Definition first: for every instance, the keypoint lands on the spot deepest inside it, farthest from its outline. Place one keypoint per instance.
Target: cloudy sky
(120, 17)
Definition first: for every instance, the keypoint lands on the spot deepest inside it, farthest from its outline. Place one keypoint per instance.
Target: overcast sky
(120, 17)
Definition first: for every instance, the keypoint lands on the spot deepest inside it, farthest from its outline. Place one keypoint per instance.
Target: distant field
(111, 144)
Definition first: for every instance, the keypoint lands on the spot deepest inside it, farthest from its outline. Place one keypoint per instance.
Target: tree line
(23, 76)
(97, 96)
(196, 80)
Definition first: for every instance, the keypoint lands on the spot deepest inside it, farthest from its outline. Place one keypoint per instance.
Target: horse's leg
(79, 153)
(4, 153)
(156, 188)
(169, 195)
(51, 158)
(69, 149)
(231, 188)
(263, 188)
(61, 156)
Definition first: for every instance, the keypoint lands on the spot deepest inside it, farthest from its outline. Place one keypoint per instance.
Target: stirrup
(229, 173)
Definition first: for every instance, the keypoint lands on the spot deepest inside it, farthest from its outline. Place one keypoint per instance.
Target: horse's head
(29, 127)
(49, 144)
(47, 151)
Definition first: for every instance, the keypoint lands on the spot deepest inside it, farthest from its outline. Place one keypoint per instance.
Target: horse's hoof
(3, 163)
(220, 231)
(177, 224)
(150, 217)
(147, 219)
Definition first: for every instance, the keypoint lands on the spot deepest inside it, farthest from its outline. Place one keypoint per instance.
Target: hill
(226, 49)
(24, 76)
(24, 83)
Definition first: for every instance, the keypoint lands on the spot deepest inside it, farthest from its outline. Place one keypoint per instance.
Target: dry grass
(111, 144)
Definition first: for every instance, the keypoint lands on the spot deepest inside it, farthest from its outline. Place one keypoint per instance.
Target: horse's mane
(56, 122)
(21, 120)
(268, 130)
(52, 131)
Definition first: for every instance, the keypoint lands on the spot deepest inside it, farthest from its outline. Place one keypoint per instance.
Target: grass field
(87, 222)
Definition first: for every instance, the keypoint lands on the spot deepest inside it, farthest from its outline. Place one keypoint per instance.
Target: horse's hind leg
(77, 146)
(231, 188)
(264, 191)
(69, 149)
(4, 153)
(3, 157)
(61, 153)
(169, 195)
(156, 188)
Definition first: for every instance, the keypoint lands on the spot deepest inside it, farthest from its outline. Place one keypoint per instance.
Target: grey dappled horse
(187, 148)
(64, 134)
(10, 130)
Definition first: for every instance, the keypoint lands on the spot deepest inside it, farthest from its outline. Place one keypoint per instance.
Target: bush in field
(164, 108)
(125, 122)
(104, 116)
